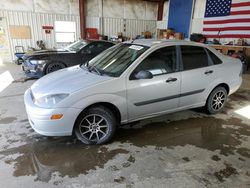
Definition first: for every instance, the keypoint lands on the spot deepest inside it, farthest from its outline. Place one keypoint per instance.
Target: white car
(129, 82)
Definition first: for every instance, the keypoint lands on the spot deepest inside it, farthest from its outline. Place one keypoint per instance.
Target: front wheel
(96, 125)
(216, 100)
(54, 66)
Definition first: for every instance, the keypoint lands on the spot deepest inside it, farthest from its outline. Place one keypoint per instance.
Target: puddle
(241, 95)
(7, 120)
(206, 132)
(46, 156)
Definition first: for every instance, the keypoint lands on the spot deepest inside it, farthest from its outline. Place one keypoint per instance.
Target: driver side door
(148, 97)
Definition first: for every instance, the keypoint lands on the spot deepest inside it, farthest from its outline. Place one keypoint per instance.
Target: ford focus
(128, 82)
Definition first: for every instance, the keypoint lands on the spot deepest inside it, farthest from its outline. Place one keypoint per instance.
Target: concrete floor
(185, 149)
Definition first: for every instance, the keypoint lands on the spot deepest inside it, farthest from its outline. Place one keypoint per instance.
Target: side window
(94, 48)
(214, 58)
(193, 57)
(159, 62)
(108, 45)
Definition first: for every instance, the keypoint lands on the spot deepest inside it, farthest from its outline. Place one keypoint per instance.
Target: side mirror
(143, 75)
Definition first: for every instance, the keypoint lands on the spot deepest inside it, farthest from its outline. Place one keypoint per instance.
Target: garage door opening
(65, 31)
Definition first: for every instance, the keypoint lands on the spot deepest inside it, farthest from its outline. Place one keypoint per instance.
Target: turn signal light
(56, 116)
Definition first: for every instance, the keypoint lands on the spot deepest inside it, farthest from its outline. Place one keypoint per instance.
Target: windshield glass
(76, 46)
(115, 60)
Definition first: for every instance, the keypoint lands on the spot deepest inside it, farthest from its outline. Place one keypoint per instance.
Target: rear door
(197, 74)
(161, 93)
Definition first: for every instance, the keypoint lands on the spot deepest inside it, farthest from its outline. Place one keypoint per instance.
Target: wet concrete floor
(184, 149)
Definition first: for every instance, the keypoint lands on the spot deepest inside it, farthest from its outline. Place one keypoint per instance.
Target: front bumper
(33, 71)
(39, 118)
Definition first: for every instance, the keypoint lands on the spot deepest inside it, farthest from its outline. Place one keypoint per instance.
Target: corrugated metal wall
(129, 27)
(111, 26)
(36, 21)
(135, 27)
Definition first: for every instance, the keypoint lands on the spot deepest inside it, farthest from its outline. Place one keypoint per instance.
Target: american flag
(227, 19)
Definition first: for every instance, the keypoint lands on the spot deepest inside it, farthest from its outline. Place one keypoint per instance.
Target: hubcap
(218, 100)
(94, 127)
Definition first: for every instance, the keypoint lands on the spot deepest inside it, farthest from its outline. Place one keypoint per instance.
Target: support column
(160, 10)
(82, 18)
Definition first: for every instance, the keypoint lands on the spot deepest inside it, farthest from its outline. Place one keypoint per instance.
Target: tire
(216, 100)
(54, 66)
(101, 131)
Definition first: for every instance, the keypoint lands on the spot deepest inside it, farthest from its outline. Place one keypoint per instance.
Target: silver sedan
(129, 82)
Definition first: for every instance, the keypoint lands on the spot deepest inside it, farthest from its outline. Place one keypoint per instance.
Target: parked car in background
(129, 82)
(39, 63)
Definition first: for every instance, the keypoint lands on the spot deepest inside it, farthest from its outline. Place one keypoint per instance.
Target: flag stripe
(240, 8)
(227, 29)
(242, 4)
(228, 36)
(227, 25)
(227, 17)
(240, 12)
(243, 20)
(235, 32)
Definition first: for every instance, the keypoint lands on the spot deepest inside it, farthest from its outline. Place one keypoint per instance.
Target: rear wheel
(216, 100)
(54, 66)
(96, 125)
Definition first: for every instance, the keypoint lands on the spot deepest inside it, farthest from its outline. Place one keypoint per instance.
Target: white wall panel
(36, 21)
(112, 26)
(93, 22)
(136, 27)
(129, 27)
(42, 6)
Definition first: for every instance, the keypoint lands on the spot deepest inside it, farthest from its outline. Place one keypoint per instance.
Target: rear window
(214, 58)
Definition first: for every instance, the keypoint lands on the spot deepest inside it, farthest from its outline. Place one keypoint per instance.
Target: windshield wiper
(95, 69)
(85, 64)
(90, 68)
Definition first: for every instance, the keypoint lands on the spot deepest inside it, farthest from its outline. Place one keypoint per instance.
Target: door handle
(171, 80)
(209, 72)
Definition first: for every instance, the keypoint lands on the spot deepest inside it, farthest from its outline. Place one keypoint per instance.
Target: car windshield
(115, 60)
(76, 46)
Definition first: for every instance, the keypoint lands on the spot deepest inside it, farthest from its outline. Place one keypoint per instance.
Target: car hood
(46, 53)
(66, 80)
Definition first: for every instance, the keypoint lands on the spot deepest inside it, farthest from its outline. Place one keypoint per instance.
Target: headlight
(37, 62)
(50, 100)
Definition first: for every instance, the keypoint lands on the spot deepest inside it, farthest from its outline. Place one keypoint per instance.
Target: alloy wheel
(54, 67)
(218, 100)
(94, 127)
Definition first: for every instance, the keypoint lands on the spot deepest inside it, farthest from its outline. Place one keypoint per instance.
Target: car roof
(96, 40)
(155, 42)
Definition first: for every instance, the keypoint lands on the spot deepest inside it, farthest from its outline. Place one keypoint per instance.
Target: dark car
(39, 63)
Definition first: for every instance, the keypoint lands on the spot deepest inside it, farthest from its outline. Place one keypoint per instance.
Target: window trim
(177, 67)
